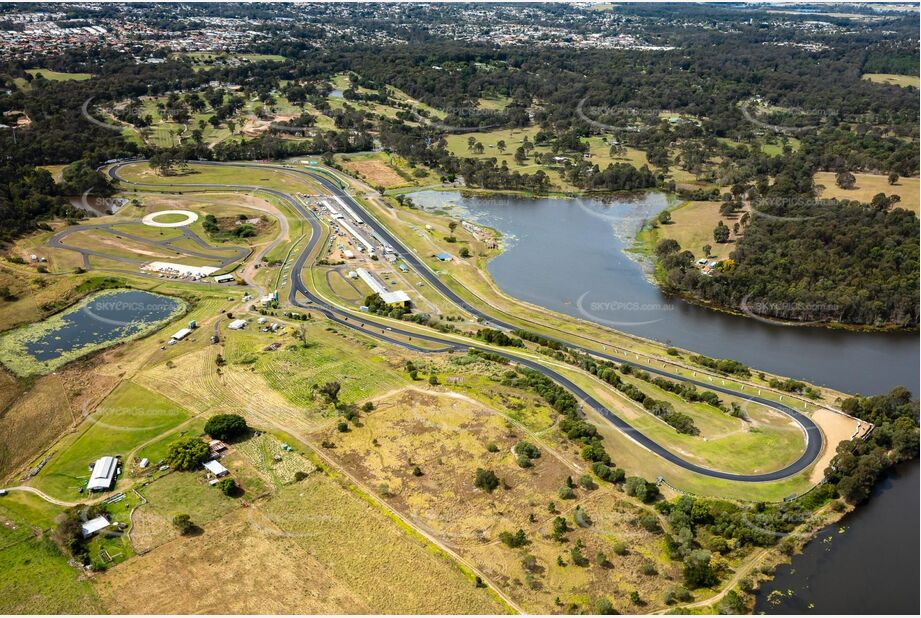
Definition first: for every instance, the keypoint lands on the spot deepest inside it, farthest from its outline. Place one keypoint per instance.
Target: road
(385, 332)
(58, 239)
(50, 499)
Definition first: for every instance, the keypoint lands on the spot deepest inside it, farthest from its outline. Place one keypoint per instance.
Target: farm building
(215, 468)
(400, 298)
(236, 324)
(224, 278)
(93, 526)
(181, 334)
(443, 256)
(396, 298)
(103, 475)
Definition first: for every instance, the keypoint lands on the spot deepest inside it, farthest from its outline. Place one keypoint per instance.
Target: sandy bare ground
(376, 173)
(837, 428)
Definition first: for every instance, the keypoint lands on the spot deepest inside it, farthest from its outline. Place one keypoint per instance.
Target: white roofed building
(182, 334)
(215, 468)
(93, 526)
(103, 476)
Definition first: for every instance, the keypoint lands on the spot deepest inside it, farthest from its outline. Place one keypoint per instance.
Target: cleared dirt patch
(376, 173)
(836, 427)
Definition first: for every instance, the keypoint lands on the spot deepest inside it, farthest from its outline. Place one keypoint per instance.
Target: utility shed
(93, 526)
(181, 334)
(396, 298)
(215, 468)
(236, 324)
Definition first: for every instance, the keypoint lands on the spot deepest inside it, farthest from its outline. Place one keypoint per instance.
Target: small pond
(96, 322)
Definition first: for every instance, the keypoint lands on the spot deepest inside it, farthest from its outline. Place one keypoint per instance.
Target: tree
(604, 607)
(464, 252)
(331, 391)
(518, 539)
(665, 217)
(893, 178)
(707, 249)
(486, 480)
(183, 524)
(226, 426)
(187, 453)
(667, 246)
(721, 233)
(639, 487)
(845, 180)
(697, 571)
(433, 380)
(520, 156)
(163, 162)
(228, 486)
(576, 555)
(301, 334)
(560, 528)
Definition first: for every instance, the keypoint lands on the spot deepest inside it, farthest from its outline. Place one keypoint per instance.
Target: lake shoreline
(760, 568)
(644, 245)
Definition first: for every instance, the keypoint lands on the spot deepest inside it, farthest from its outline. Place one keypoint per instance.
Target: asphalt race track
(384, 332)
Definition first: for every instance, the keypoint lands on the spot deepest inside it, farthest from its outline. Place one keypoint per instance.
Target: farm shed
(103, 475)
(93, 526)
(215, 468)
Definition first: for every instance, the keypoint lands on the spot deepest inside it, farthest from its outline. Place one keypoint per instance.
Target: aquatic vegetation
(96, 322)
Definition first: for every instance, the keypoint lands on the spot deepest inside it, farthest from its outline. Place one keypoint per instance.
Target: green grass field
(55, 76)
(189, 493)
(294, 371)
(128, 417)
(36, 578)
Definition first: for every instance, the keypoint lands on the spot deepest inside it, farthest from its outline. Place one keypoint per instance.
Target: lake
(870, 568)
(96, 322)
(570, 255)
